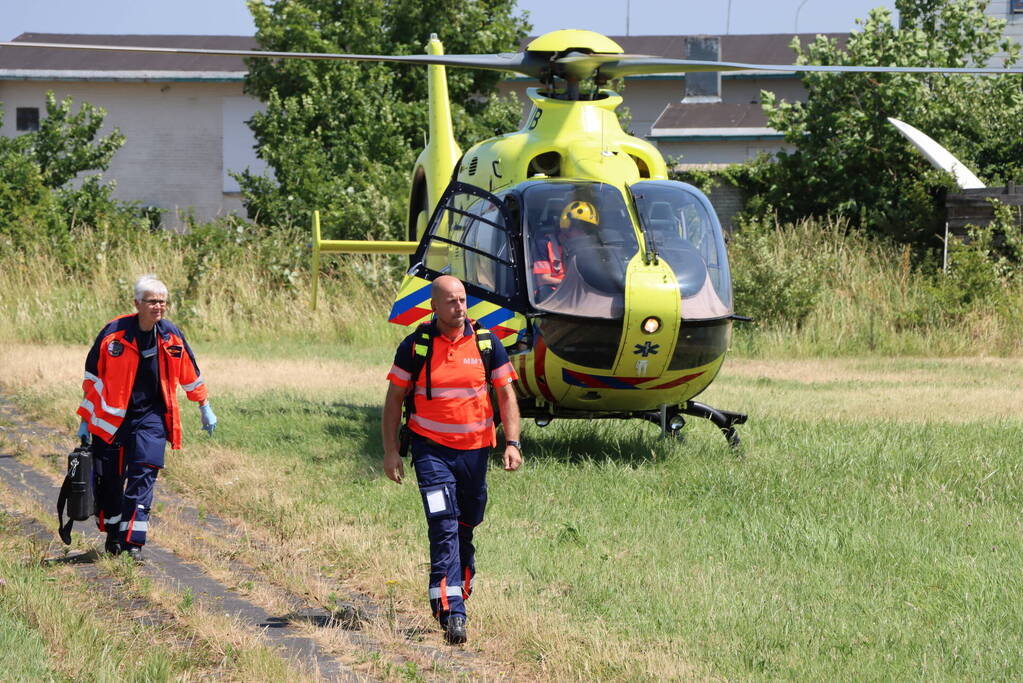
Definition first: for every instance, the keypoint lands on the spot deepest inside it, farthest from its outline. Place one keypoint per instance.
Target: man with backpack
(442, 373)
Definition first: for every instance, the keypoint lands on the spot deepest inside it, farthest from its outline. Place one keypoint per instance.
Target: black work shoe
(113, 544)
(134, 552)
(454, 632)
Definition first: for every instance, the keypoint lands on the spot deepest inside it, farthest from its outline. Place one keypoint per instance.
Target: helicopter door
(472, 235)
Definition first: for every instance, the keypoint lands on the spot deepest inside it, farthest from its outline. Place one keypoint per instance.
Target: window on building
(27, 118)
(1016, 6)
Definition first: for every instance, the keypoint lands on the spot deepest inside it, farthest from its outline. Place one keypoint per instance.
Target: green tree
(849, 161)
(341, 137)
(66, 144)
(37, 170)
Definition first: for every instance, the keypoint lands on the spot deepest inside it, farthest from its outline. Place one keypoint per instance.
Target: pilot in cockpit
(578, 219)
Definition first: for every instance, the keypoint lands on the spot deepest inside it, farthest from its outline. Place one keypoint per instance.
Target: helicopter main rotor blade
(939, 157)
(572, 66)
(516, 62)
(619, 66)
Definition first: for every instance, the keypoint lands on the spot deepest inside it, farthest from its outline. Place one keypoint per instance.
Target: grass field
(56, 625)
(868, 529)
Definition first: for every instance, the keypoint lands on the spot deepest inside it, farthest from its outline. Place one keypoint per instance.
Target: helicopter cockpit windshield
(684, 231)
(581, 240)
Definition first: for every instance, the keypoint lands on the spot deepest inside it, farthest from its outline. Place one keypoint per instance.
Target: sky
(645, 17)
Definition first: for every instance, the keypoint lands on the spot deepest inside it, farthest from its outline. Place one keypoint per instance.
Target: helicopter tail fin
(437, 161)
(321, 245)
(430, 177)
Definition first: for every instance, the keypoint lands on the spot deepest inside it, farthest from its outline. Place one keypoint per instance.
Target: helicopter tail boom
(348, 247)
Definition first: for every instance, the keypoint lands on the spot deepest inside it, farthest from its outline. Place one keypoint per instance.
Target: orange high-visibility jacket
(110, 371)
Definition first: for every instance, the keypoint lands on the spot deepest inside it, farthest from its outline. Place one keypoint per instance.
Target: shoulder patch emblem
(174, 351)
(115, 348)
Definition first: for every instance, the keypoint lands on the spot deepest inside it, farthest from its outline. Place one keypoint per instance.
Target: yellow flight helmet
(580, 211)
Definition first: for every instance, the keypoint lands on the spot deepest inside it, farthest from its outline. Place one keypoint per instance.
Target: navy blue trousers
(127, 470)
(453, 485)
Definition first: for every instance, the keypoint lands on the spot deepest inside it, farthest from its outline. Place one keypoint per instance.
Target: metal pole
(944, 251)
(798, 10)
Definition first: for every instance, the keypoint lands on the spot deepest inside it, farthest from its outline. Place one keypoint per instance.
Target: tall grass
(227, 288)
(814, 288)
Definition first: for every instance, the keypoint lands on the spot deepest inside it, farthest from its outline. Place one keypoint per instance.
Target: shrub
(779, 271)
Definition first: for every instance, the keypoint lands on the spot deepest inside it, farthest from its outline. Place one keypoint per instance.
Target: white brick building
(183, 115)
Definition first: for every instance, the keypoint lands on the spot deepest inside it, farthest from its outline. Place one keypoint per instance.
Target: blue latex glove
(209, 420)
(83, 432)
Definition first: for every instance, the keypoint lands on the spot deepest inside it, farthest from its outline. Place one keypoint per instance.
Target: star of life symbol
(641, 366)
(646, 349)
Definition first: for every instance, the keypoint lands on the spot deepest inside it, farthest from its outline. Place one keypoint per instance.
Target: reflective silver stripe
(113, 520)
(104, 425)
(87, 404)
(98, 421)
(453, 591)
(135, 526)
(119, 412)
(444, 428)
(197, 383)
(505, 369)
(452, 392)
(400, 374)
(149, 353)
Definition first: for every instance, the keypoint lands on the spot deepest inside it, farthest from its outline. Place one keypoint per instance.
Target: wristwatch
(517, 444)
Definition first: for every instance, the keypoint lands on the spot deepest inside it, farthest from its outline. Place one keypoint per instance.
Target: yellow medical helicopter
(607, 282)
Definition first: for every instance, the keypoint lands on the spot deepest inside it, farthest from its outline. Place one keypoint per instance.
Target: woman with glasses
(131, 377)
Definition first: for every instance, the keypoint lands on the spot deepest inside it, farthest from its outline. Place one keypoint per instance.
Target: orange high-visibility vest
(459, 414)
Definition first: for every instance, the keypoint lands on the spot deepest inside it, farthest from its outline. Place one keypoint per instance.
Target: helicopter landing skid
(669, 418)
(671, 421)
(723, 419)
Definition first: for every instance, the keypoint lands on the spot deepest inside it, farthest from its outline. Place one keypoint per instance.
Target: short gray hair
(149, 283)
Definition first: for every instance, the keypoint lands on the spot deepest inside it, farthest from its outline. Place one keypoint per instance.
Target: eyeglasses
(155, 302)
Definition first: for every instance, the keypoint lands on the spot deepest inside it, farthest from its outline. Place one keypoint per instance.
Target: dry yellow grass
(252, 659)
(955, 390)
(51, 369)
(913, 390)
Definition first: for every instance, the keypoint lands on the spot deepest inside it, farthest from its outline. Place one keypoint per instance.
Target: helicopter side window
(468, 239)
(482, 232)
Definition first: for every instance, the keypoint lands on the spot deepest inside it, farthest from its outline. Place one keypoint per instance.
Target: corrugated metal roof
(56, 60)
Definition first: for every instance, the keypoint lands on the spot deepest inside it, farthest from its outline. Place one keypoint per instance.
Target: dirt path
(342, 644)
